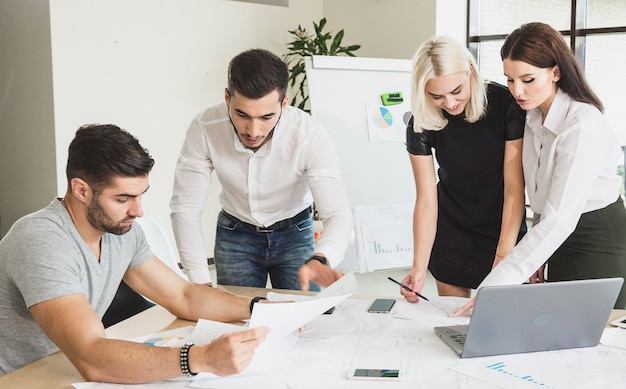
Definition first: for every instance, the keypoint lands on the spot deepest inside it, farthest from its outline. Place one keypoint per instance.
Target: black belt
(279, 225)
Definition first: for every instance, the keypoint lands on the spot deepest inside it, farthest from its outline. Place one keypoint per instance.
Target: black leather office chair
(126, 303)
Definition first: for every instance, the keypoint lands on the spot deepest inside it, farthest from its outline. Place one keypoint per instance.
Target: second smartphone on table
(381, 306)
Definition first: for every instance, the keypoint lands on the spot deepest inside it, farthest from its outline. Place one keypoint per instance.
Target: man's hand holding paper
(283, 319)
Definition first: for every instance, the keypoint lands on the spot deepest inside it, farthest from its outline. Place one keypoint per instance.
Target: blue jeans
(245, 256)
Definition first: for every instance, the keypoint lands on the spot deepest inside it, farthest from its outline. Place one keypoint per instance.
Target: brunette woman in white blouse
(570, 157)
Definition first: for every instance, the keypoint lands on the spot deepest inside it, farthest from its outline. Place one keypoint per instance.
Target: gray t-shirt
(43, 257)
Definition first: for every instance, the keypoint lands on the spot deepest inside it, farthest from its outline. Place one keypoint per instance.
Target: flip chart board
(346, 97)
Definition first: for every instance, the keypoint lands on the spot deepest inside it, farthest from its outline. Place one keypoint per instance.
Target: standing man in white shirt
(273, 161)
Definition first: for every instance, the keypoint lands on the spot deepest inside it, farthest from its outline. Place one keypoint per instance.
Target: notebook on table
(534, 317)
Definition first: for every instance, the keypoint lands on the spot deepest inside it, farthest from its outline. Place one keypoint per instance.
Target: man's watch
(318, 258)
(254, 301)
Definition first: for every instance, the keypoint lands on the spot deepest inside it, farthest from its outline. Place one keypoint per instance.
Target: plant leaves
(336, 42)
(305, 44)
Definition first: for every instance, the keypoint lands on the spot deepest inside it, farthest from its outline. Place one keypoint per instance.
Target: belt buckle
(263, 229)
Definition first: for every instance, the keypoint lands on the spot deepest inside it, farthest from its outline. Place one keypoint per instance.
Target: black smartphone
(376, 375)
(381, 306)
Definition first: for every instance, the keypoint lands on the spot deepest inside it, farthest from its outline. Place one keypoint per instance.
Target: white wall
(395, 28)
(149, 66)
(384, 28)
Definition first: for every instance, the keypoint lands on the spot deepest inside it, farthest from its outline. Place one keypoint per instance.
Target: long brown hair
(542, 46)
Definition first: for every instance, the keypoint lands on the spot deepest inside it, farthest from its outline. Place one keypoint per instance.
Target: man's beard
(100, 220)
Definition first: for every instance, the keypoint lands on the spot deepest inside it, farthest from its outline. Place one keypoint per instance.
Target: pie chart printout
(382, 118)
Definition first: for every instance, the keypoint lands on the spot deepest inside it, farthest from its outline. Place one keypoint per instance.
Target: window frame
(577, 33)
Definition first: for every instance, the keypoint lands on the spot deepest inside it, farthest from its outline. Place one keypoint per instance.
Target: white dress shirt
(298, 165)
(570, 167)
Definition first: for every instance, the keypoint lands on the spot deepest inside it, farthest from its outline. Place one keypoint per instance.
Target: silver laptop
(534, 317)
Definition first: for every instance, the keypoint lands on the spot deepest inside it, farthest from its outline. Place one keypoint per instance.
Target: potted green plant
(305, 44)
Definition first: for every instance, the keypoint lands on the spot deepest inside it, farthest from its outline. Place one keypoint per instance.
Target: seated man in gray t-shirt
(60, 268)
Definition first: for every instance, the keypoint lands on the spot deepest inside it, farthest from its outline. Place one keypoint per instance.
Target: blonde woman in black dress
(474, 215)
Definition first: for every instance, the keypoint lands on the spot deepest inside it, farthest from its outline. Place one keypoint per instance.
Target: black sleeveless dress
(471, 186)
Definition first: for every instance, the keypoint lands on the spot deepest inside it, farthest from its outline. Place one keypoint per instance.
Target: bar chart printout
(500, 367)
(589, 367)
(384, 236)
(378, 248)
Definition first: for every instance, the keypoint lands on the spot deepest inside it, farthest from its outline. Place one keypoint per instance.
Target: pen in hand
(407, 288)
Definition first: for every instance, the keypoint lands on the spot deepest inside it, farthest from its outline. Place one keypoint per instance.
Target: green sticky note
(392, 98)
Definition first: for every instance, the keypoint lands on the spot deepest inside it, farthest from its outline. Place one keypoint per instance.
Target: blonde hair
(443, 56)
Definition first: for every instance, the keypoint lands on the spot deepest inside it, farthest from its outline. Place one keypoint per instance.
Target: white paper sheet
(592, 367)
(614, 337)
(264, 356)
(345, 285)
(437, 311)
(283, 319)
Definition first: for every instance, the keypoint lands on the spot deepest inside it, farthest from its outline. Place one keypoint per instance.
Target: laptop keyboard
(459, 338)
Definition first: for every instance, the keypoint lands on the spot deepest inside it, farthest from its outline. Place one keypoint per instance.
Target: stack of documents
(283, 319)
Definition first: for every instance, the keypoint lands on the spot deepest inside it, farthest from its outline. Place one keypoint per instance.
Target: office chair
(127, 302)
(159, 243)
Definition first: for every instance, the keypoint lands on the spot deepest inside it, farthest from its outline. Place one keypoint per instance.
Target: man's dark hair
(101, 152)
(256, 73)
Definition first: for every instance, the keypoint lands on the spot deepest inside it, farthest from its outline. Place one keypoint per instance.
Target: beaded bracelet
(184, 361)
